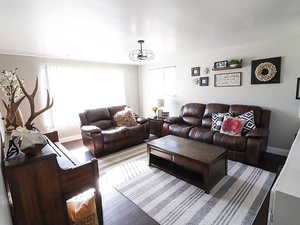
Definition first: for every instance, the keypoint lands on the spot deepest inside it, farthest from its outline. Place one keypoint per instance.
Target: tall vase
(13, 120)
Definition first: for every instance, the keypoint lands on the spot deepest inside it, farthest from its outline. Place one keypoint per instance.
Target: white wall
(30, 67)
(5, 218)
(279, 98)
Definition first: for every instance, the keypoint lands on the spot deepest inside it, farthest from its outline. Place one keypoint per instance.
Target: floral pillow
(217, 120)
(125, 118)
(232, 126)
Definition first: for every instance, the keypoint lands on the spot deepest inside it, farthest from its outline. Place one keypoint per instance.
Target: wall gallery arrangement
(263, 71)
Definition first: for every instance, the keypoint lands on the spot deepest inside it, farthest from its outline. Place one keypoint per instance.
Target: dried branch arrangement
(14, 89)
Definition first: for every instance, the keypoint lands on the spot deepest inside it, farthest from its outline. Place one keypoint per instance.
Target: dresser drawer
(161, 154)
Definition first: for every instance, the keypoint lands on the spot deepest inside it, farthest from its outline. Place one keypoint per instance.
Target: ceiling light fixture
(141, 54)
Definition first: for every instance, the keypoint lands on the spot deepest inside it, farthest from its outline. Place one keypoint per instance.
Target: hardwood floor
(114, 202)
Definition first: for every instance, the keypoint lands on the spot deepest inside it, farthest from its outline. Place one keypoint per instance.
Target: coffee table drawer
(188, 163)
(161, 154)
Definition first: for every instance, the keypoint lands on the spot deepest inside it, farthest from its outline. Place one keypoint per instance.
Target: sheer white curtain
(76, 89)
(162, 83)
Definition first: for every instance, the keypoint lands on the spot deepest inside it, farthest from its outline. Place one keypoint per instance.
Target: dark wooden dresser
(39, 186)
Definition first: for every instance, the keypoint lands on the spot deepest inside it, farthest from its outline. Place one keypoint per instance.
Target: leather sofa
(195, 123)
(101, 134)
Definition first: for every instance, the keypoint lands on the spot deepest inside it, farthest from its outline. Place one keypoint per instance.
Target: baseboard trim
(278, 151)
(71, 138)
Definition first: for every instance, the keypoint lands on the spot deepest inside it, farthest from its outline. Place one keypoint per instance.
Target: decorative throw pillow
(250, 121)
(232, 126)
(217, 119)
(82, 209)
(125, 118)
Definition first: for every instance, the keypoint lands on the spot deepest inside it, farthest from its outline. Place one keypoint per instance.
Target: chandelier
(141, 54)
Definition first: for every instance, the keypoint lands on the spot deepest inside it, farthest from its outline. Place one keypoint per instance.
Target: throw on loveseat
(195, 123)
(101, 134)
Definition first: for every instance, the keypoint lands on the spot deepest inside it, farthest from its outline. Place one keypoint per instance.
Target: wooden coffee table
(189, 160)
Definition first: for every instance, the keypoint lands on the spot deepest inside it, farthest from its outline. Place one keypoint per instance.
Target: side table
(156, 126)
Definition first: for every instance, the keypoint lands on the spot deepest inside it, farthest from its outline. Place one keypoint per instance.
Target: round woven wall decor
(265, 71)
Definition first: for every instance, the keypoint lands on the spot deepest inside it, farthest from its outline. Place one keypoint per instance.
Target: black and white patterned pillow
(217, 120)
(250, 121)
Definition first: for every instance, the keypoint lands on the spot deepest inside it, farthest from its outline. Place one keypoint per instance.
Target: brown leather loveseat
(101, 134)
(195, 123)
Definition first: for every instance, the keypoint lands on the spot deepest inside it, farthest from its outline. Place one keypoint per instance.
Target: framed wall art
(204, 81)
(195, 71)
(221, 64)
(297, 89)
(266, 71)
(228, 79)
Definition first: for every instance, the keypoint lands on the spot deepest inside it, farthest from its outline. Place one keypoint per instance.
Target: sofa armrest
(258, 133)
(91, 129)
(141, 120)
(254, 150)
(173, 120)
(92, 138)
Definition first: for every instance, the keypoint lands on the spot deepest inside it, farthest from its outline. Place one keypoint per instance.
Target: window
(76, 89)
(160, 83)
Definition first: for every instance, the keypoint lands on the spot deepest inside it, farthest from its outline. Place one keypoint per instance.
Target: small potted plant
(154, 109)
(234, 63)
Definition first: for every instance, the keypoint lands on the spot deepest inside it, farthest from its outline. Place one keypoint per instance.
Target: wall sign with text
(228, 79)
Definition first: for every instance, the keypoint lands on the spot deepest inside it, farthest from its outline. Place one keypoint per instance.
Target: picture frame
(195, 71)
(221, 64)
(204, 81)
(266, 71)
(298, 89)
(228, 79)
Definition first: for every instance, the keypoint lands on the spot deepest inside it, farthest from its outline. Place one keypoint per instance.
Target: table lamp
(160, 103)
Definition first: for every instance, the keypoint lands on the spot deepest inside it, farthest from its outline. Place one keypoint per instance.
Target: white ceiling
(105, 30)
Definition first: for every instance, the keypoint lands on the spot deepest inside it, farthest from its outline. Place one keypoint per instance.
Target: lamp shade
(160, 102)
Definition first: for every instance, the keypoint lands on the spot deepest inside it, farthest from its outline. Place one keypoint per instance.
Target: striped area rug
(122, 166)
(235, 200)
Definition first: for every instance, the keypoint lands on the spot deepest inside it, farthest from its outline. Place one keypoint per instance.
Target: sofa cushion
(201, 134)
(181, 130)
(114, 109)
(241, 109)
(237, 143)
(114, 134)
(103, 124)
(94, 115)
(206, 122)
(215, 108)
(192, 113)
(136, 131)
(209, 110)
